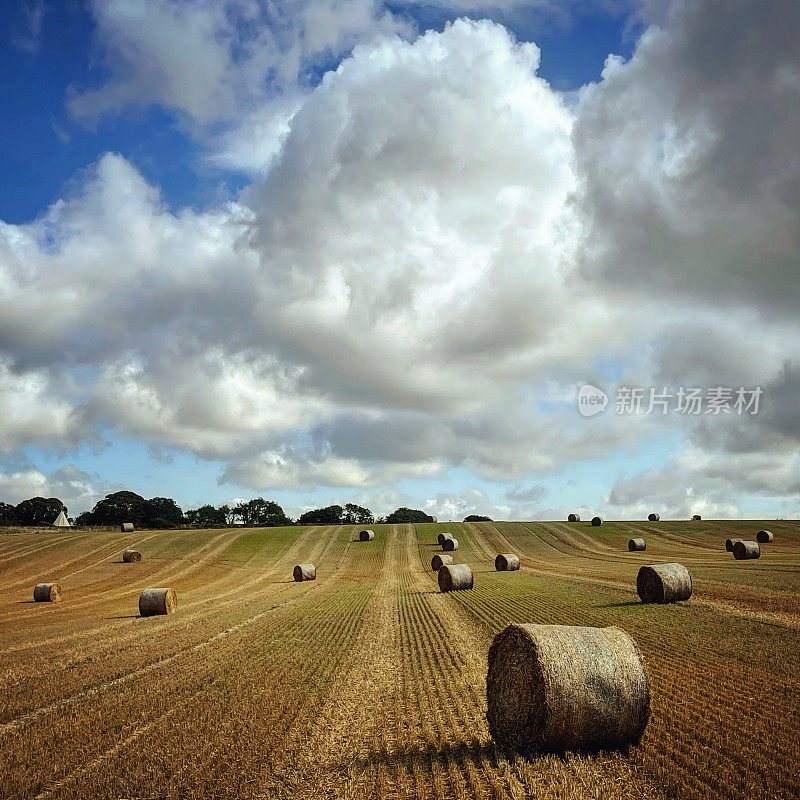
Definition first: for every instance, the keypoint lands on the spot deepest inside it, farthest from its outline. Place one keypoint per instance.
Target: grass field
(368, 682)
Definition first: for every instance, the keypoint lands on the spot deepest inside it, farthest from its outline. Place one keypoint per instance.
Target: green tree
(330, 515)
(403, 514)
(206, 516)
(357, 515)
(261, 512)
(119, 507)
(39, 510)
(7, 514)
(477, 518)
(164, 512)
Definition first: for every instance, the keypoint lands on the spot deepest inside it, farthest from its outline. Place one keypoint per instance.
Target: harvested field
(369, 682)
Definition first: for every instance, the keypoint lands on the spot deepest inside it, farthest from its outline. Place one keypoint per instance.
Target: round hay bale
(153, 602)
(126, 527)
(506, 562)
(559, 687)
(47, 593)
(635, 545)
(764, 537)
(305, 572)
(442, 536)
(439, 560)
(743, 550)
(453, 577)
(664, 583)
(129, 556)
(574, 518)
(434, 518)
(366, 536)
(653, 517)
(597, 521)
(450, 544)
(696, 517)
(729, 543)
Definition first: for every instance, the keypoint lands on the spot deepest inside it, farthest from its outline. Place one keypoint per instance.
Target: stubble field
(368, 682)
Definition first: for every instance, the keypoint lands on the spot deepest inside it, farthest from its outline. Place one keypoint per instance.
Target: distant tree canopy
(207, 516)
(118, 507)
(330, 515)
(7, 514)
(477, 518)
(39, 510)
(260, 512)
(356, 515)
(164, 512)
(408, 515)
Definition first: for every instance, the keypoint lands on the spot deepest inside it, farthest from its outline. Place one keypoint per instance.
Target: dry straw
(453, 577)
(729, 543)
(366, 536)
(47, 593)
(131, 555)
(574, 518)
(438, 561)
(637, 544)
(558, 687)
(653, 517)
(305, 572)
(764, 537)
(153, 602)
(597, 521)
(664, 583)
(126, 527)
(450, 544)
(442, 537)
(743, 550)
(506, 562)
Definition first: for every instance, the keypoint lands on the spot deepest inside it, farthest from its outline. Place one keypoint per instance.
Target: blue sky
(188, 238)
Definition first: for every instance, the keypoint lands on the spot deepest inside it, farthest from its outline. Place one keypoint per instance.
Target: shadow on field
(125, 616)
(620, 604)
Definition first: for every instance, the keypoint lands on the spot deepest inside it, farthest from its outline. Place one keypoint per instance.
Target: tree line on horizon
(164, 512)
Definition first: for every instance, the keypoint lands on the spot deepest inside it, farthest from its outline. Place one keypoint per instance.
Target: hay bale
(729, 543)
(126, 527)
(450, 544)
(47, 593)
(744, 550)
(764, 537)
(696, 517)
(453, 577)
(653, 517)
(439, 560)
(559, 687)
(434, 518)
(131, 555)
(506, 562)
(597, 521)
(305, 572)
(153, 602)
(366, 536)
(635, 545)
(664, 583)
(574, 518)
(442, 537)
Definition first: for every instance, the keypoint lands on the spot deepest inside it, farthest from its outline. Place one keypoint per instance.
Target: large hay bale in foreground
(153, 602)
(126, 527)
(558, 687)
(47, 593)
(129, 556)
(366, 536)
(305, 572)
(453, 577)
(664, 583)
(653, 517)
(597, 521)
(696, 517)
(506, 562)
(439, 560)
(635, 545)
(744, 550)
(450, 544)
(764, 537)
(729, 543)
(574, 518)
(442, 537)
